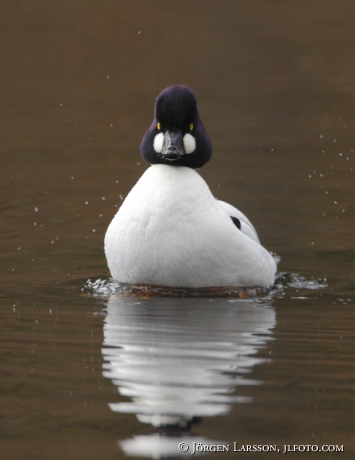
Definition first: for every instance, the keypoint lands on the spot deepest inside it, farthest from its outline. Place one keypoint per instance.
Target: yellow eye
(191, 126)
(158, 126)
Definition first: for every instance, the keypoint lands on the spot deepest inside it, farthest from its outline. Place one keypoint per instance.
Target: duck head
(177, 136)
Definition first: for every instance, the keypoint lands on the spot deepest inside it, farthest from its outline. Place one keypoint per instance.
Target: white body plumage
(171, 231)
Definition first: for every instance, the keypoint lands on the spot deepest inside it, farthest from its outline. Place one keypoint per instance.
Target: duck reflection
(180, 360)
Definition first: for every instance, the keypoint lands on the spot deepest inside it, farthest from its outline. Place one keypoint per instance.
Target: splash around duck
(170, 230)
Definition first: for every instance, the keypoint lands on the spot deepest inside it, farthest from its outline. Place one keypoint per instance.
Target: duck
(170, 230)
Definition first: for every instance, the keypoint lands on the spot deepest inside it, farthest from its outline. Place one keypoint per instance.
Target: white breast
(171, 231)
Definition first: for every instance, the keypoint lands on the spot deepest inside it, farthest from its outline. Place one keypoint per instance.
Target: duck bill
(173, 147)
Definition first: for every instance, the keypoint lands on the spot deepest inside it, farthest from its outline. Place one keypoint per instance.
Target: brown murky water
(84, 376)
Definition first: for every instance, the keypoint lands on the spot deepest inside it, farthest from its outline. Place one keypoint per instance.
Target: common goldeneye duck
(170, 230)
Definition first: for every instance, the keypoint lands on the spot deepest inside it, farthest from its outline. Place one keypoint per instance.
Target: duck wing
(240, 220)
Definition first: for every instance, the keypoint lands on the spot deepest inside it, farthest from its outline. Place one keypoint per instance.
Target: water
(87, 373)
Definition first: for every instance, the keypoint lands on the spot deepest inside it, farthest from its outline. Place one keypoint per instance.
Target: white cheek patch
(189, 143)
(158, 142)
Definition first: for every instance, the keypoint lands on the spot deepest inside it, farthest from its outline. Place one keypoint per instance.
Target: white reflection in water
(180, 360)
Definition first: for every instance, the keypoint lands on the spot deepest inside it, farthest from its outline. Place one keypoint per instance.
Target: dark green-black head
(177, 136)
